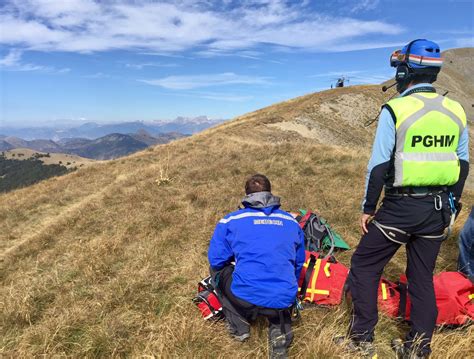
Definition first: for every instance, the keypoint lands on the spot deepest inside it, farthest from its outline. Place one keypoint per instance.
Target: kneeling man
(267, 246)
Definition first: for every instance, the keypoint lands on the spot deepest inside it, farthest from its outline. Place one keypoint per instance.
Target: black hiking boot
(277, 344)
(402, 352)
(365, 349)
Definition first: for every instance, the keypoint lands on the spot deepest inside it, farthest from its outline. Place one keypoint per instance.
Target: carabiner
(438, 203)
(452, 203)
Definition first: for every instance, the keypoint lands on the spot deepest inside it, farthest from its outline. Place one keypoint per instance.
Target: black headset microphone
(385, 88)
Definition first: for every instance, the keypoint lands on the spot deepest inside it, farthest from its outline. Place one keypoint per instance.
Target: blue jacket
(267, 245)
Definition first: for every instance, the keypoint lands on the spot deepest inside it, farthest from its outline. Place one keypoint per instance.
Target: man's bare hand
(364, 220)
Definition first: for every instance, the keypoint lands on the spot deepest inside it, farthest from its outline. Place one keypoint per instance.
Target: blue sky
(109, 61)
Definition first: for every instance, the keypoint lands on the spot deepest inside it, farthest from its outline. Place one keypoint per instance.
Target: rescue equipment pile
(322, 278)
(322, 281)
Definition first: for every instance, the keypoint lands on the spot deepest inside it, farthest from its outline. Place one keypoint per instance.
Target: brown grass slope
(103, 262)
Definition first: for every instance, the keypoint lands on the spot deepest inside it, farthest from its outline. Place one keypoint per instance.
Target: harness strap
(271, 312)
(438, 237)
(307, 277)
(282, 323)
(403, 300)
(388, 232)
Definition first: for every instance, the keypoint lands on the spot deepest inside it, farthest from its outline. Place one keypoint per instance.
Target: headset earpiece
(403, 73)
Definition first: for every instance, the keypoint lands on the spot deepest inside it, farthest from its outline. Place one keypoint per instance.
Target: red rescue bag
(454, 298)
(322, 280)
(389, 298)
(207, 301)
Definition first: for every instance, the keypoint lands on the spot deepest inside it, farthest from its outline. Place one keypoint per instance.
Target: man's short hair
(424, 78)
(257, 183)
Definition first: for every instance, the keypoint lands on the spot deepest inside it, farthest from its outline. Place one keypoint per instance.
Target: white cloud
(97, 75)
(364, 5)
(13, 61)
(149, 64)
(205, 80)
(177, 26)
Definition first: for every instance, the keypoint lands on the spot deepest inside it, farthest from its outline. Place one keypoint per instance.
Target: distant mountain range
(103, 148)
(92, 130)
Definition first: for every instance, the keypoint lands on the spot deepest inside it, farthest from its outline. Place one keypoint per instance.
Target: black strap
(281, 318)
(403, 289)
(257, 310)
(307, 277)
(410, 190)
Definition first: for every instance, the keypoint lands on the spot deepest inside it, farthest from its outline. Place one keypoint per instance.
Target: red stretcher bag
(389, 298)
(207, 301)
(322, 280)
(454, 298)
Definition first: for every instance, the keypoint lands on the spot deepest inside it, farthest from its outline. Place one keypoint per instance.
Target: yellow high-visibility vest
(428, 129)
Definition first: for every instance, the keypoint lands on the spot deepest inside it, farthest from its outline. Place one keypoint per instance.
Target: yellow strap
(315, 277)
(318, 291)
(471, 296)
(384, 291)
(326, 269)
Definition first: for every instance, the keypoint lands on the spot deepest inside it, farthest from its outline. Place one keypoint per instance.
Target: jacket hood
(262, 200)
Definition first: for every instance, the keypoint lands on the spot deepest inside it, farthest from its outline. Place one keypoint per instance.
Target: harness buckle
(438, 202)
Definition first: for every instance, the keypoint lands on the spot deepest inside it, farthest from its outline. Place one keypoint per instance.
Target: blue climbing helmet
(420, 56)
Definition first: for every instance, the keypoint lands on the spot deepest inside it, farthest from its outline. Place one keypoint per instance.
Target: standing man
(466, 247)
(267, 246)
(420, 156)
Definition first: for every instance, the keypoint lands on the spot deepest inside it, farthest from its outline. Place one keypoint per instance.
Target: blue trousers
(466, 247)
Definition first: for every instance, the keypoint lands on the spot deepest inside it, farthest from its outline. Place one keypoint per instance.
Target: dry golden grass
(103, 262)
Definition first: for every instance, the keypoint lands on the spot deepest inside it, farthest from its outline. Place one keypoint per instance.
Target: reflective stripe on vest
(428, 129)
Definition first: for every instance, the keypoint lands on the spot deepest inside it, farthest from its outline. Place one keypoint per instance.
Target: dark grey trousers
(239, 313)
